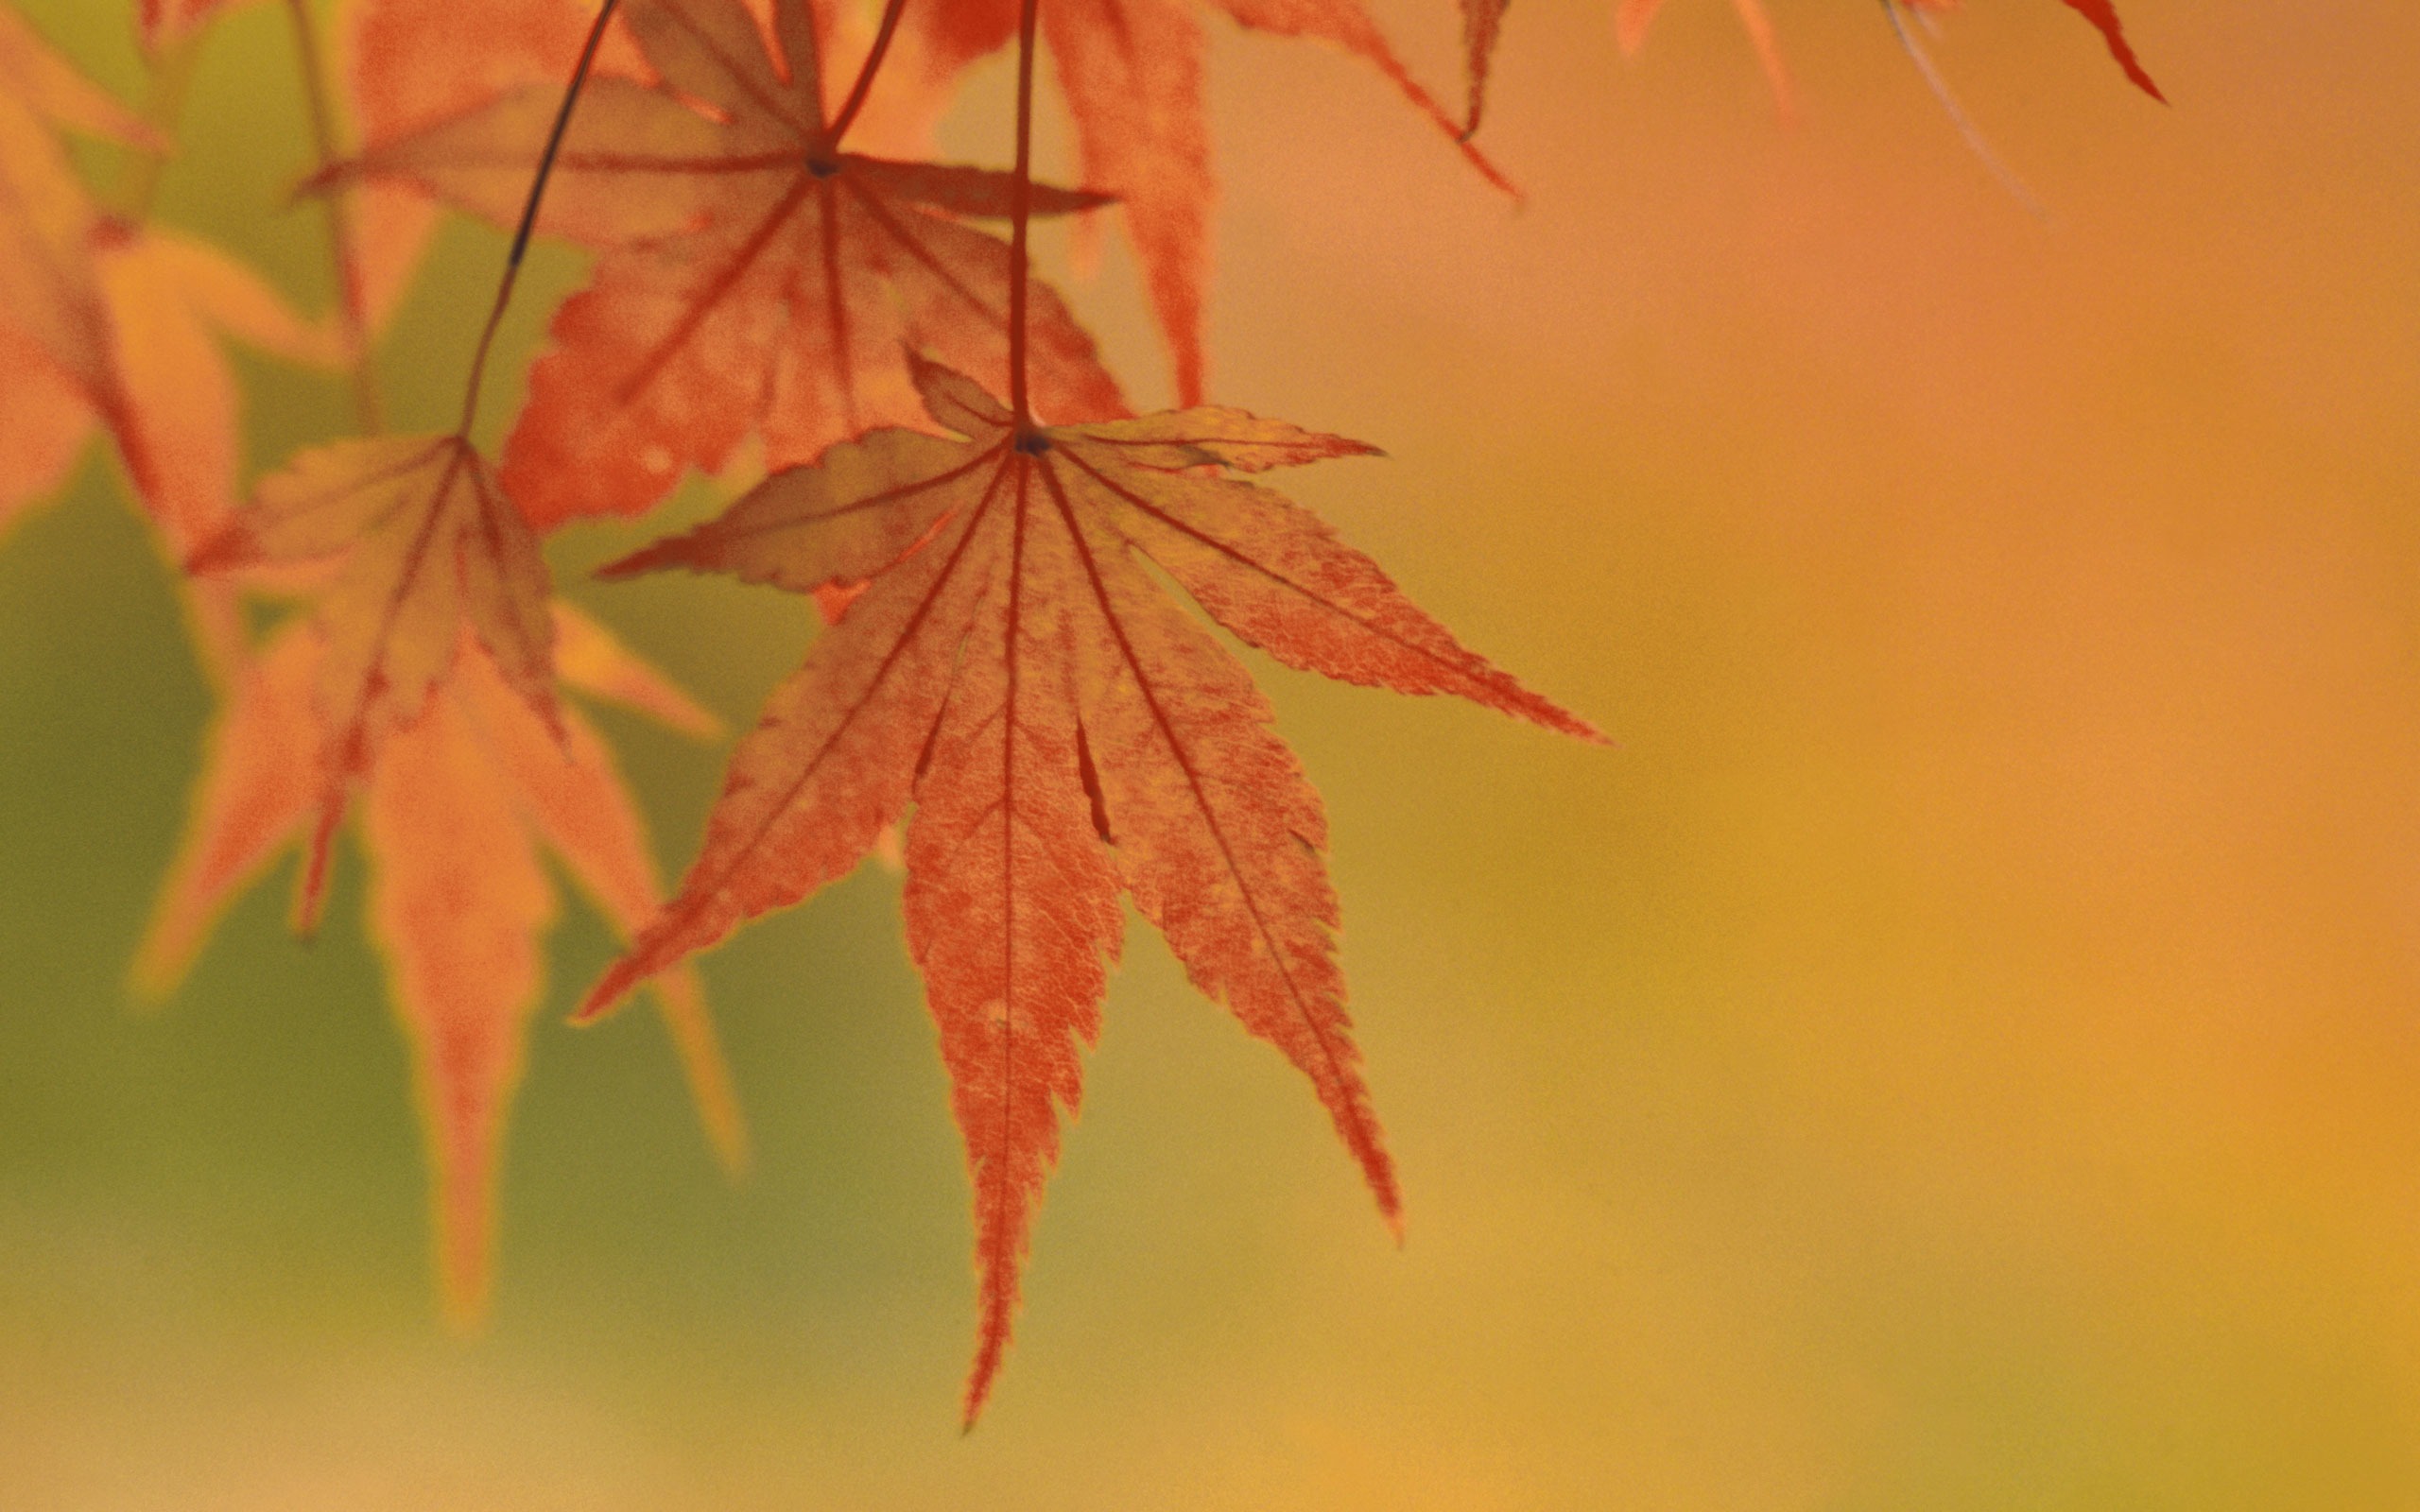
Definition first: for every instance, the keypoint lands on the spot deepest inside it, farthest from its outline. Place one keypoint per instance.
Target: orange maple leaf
(756, 276)
(1132, 76)
(426, 547)
(457, 805)
(109, 322)
(1065, 732)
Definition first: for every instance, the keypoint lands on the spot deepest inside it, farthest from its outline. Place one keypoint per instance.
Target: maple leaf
(756, 277)
(1132, 74)
(1065, 733)
(125, 318)
(426, 546)
(456, 806)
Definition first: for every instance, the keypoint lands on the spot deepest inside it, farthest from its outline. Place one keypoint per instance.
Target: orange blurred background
(1959, 1052)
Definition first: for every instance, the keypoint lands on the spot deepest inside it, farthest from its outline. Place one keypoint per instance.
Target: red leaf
(2103, 14)
(756, 276)
(1064, 732)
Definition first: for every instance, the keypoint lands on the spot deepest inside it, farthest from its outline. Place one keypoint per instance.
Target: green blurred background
(1959, 1052)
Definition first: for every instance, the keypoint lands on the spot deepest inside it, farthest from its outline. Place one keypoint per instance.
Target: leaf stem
(342, 243)
(1021, 213)
(1956, 113)
(530, 217)
(164, 102)
(866, 71)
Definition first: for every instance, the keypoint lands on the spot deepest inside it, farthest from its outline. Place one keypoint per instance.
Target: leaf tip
(311, 887)
(610, 990)
(1581, 729)
(692, 1026)
(979, 1382)
(667, 553)
(464, 1224)
(152, 976)
(229, 547)
(2102, 14)
(464, 1306)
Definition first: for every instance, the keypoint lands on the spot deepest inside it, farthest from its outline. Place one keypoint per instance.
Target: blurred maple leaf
(426, 547)
(426, 682)
(457, 804)
(1065, 733)
(1132, 74)
(109, 322)
(756, 277)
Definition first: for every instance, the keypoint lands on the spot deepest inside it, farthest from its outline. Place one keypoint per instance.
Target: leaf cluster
(1011, 677)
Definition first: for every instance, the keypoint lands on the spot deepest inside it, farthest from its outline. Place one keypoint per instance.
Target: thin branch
(171, 68)
(530, 217)
(867, 70)
(344, 244)
(1021, 213)
(1966, 129)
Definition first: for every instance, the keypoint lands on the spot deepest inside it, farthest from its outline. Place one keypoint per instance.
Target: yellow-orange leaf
(35, 79)
(125, 316)
(48, 423)
(457, 807)
(457, 899)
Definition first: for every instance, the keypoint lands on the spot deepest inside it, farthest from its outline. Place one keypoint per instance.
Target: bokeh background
(1959, 1052)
